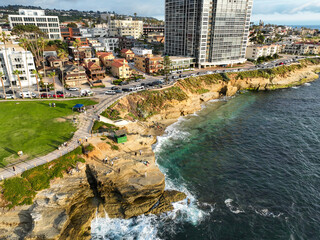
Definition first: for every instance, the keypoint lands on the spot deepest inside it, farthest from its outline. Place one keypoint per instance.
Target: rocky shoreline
(132, 184)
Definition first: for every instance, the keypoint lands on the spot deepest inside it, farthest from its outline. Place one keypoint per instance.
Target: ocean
(250, 166)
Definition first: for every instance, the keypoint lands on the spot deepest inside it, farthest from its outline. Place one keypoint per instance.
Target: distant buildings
(16, 58)
(214, 32)
(84, 52)
(141, 51)
(127, 27)
(47, 24)
(255, 51)
(303, 48)
(110, 44)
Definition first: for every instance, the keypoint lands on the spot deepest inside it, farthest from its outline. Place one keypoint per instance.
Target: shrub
(101, 126)
(112, 114)
(40, 177)
(17, 191)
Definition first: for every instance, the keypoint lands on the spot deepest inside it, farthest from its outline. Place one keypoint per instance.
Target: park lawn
(32, 127)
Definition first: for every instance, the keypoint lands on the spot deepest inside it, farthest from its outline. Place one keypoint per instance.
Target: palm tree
(5, 39)
(53, 75)
(4, 89)
(62, 55)
(77, 44)
(17, 73)
(42, 43)
(24, 44)
(35, 72)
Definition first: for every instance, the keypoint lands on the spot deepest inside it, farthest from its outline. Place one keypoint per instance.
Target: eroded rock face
(133, 195)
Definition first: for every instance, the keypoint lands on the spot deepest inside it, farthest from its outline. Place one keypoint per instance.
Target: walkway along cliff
(131, 184)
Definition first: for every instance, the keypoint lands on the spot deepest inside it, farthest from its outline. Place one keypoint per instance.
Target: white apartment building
(16, 58)
(99, 32)
(110, 44)
(127, 27)
(255, 51)
(141, 51)
(85, 32)
(47, 24)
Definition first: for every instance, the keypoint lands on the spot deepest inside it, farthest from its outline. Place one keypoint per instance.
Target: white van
(140, 88)
(86, 92)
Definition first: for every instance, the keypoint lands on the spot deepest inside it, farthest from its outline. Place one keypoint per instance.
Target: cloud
(275, 11)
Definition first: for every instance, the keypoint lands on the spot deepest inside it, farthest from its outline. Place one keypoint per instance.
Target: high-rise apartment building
(13, 58)
(215, 32)
(47, 24)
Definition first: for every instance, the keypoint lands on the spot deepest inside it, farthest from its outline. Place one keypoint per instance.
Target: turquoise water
(250, 165)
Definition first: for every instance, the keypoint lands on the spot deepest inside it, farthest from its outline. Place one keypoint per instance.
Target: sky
(290, 12)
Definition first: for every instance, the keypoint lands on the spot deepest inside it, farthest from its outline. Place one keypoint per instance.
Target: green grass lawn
(33, 128)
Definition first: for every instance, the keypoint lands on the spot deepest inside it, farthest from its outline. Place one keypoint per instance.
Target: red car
(45, 95)
(58, 95)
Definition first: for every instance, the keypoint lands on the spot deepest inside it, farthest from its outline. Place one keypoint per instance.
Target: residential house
(106, 58)
(67, 33)
(54, 62)
(84, 52)
(126, 42)
(141, 51)
(120, 69)
(149, 63)
(75, 75)
(110, 44)
(95, 71)
(302, 48)
(127, 54)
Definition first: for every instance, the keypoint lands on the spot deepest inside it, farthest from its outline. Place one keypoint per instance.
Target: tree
(4, 89)
(167, 67)
(5, 39)
(31, 33)
(135, 15)
(62, 55)
(24, 44)
(42, 44)
(77, 44)
(35, 72)
(53, 75)
(17, 73)
(72, 25)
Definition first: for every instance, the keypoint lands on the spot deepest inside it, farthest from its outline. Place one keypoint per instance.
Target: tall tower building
(215, 32)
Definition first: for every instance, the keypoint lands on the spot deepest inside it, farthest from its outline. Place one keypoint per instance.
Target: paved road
(86, 120)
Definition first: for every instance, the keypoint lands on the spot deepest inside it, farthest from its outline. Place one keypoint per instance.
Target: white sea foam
(266, 213)
(146, 227)
(295, 87)
(232, 208)
(307, 84)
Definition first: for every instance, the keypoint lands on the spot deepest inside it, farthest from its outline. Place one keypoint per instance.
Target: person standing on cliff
(140, 152)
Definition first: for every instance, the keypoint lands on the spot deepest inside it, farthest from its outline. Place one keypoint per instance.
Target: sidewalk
(84, 130)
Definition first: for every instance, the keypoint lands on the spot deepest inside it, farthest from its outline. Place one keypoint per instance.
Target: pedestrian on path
(49, 104)
(86, 139)
(14, 168)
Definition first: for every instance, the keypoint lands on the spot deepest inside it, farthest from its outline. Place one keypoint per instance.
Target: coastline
(73, 189)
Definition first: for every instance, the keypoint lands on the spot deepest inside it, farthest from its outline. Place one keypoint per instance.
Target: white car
(140, 88)
(9, 96)
(73, 89)
(110, 92)
(27, 94)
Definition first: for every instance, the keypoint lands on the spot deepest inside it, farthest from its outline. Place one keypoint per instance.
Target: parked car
(110, 92)
(73, 89)
(118, 90)
(45, 95)
(140, 88)
(58, 95)
(114, 88)
(9, 96)
(27, 94)
(59, 92)
(43, 90)
(86, 92)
